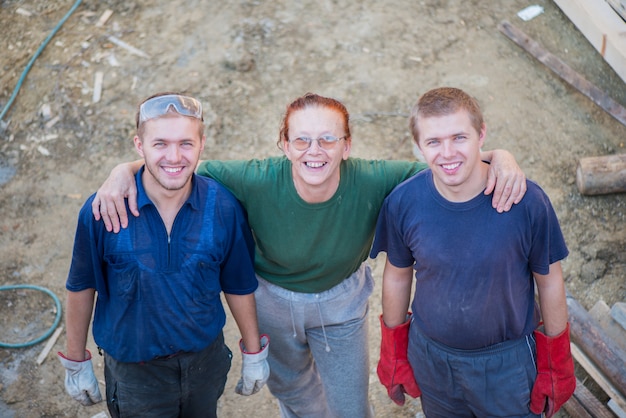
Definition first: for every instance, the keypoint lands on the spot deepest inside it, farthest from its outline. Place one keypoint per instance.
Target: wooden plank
(44, 353)
(575, 409)
(602, 314)
(618, 313)
(103, 19)
(596, 374)
(616, 409)
(602, 27)
(97, 86)
(619, 6)
(564, 71)
(128, 47)
(584, 404)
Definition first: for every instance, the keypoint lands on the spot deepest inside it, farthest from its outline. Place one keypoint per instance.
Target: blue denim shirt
(159, 294)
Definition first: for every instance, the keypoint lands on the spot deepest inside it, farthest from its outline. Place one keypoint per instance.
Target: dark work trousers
(494, 381)
(186, 385)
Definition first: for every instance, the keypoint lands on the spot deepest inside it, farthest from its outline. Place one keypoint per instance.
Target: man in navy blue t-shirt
(472, 340)
(158, 315)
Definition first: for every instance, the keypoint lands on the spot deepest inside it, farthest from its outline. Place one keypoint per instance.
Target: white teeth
(315, 165)
(450, 166)
(172, 170)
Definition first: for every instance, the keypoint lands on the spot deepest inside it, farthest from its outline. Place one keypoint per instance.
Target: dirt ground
(246, 60)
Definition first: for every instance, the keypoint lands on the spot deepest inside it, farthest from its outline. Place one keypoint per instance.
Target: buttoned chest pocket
(123, 279)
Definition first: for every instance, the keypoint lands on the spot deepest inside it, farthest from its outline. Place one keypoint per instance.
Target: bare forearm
(243, 309)
(396, 294)
(552, 300)
(79, 307)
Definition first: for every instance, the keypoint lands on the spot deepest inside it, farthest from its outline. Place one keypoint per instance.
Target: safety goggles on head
(160, 105)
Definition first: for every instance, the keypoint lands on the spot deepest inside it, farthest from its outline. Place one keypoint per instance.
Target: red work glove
(555, 381)
(394, 370)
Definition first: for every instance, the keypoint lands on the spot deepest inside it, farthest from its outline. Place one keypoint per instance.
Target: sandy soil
(246, 60)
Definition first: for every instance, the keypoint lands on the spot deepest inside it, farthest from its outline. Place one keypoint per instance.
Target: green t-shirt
(310, 247)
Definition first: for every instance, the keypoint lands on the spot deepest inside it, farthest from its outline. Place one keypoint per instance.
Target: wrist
(75, 357)
(395, 321)
(256, 346)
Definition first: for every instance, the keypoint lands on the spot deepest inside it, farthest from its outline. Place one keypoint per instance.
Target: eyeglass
(160, 105)
(303, 143)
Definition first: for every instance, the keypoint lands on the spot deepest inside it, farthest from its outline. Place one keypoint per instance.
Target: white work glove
(80, 381)
(254, 368)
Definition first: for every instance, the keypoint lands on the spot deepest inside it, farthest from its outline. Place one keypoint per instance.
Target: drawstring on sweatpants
(319, 310)
(293, 321)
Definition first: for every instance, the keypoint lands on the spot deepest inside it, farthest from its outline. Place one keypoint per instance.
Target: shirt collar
(143, 199)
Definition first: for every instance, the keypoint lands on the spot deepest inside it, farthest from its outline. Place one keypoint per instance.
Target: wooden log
(575, 409)
(601, 175)
(564, 71)
(584, 405)
(603, 351)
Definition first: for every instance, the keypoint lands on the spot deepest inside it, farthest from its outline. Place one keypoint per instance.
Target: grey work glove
(80, 381)
(254, 368)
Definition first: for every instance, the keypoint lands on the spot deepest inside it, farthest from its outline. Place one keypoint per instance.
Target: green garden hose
(57, 319)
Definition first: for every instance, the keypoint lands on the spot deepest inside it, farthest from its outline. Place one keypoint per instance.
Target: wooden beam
(605, 353)
(584, 405)
(575, 408)
(596, 374)
(564, 71)
(602, 26)
(619, 6)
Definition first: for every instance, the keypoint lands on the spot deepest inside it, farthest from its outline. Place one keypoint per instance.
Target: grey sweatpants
(319, 362)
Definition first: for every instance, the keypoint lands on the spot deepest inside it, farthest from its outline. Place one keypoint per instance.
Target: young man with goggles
(158, 314)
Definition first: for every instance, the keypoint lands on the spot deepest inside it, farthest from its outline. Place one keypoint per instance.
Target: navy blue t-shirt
(473, 266)
(159, 294)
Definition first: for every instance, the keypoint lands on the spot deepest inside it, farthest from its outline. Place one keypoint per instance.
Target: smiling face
(171, 146)
(316, 171)
(451, 146)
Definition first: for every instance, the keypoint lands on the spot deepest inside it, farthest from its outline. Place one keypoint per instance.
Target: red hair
(312, 100)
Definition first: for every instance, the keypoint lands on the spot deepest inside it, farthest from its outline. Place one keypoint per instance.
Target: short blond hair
(444, 101)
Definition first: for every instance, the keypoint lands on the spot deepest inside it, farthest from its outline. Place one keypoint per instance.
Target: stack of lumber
(599, 346)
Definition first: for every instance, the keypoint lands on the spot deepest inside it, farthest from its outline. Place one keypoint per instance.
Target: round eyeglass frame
(325, 142)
